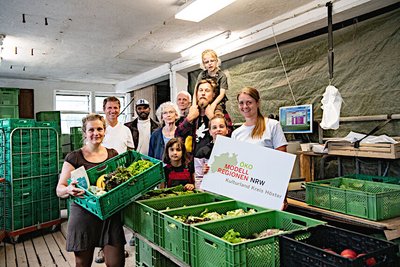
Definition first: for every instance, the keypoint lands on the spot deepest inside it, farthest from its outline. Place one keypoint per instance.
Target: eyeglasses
(168, 112)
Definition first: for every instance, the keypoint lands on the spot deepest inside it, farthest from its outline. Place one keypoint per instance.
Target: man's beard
(203, 103)
(143, 115)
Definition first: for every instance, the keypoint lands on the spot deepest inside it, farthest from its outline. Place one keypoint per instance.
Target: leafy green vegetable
(232, 236)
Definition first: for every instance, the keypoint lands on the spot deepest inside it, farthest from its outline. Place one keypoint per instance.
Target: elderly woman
(167, 114)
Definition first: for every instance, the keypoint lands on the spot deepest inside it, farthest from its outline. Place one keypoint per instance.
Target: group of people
(183, 139)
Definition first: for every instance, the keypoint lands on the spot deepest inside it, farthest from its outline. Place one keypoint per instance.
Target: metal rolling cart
(30, 167)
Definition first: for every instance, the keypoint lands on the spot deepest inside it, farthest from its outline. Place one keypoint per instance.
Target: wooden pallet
(382, 150)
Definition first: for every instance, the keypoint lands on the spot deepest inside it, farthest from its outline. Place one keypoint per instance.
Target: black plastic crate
(306, 248)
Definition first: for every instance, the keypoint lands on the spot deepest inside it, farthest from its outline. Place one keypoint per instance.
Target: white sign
(248, 173)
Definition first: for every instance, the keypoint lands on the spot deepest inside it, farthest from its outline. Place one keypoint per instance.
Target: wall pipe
(370, 118)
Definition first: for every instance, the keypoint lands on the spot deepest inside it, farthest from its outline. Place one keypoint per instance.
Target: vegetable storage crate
(114, 200)
(306, 248)
(2, 209)
(176, 234)
(146, 256)
(370, 200)
(9, 96)
(208, 249)
(143, 216)
(76, 138)
(374, 178)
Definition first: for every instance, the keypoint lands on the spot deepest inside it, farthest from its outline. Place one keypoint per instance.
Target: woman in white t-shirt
(257, 129)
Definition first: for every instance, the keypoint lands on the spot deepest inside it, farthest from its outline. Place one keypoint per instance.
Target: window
(75, 105)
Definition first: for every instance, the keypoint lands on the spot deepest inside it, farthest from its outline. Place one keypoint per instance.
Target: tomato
(370, 261)
(348, 253)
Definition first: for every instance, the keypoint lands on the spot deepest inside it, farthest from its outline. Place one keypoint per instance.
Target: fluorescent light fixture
(197, 10)
(209, 43)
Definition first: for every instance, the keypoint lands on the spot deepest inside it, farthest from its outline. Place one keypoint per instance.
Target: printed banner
(248, 173)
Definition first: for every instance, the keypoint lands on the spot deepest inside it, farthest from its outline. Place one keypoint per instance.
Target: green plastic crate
(48, 210)
(9, 112)
(374, 178)
(146, 256)
(143, 216)
(119, 197)
(76, 138)
(176, 235)
(10, 124)
(56, 125)
(208, 249)
(24, 165)
(48, 116)
(9, 96)
(369, 200)
(21, 216)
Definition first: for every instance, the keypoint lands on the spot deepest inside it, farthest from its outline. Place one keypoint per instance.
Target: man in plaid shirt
(194, 128)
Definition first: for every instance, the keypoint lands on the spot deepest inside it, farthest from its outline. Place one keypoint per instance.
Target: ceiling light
(197, 10)
(211, 43)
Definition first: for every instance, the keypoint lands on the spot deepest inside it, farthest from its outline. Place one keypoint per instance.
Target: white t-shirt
(144, 136)
(118, 137)
(273, 136)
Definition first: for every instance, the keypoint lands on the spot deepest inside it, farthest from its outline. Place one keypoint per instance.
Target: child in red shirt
(177, 171)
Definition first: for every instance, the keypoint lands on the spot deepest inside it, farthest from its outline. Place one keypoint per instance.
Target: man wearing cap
(142, 127)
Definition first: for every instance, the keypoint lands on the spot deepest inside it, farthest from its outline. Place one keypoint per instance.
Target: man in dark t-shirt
(195, 124)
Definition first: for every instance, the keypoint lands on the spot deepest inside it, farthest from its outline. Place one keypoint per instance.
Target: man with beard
(196, 122)
(142, 127)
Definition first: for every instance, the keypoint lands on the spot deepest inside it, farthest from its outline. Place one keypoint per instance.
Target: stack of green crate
(52, 119)
(29, 163)
(2, 211)
(76, 138)
(9, 103)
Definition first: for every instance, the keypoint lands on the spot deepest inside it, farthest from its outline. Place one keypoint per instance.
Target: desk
(391, 227)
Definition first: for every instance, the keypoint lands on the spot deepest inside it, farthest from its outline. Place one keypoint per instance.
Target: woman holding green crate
(85, 230)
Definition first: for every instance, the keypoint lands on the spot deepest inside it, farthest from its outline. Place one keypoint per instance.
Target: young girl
(217, 126)
(210, 64)
(176, 170)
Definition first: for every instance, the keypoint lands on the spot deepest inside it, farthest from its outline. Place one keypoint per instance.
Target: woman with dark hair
(85, 230)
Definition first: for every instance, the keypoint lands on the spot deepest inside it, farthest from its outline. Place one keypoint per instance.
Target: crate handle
(172, 226)
(102, 168)
(211, 243)
(377, 179)
(296, 221)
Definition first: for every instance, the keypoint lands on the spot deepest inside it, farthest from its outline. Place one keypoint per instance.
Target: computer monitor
(296, 119)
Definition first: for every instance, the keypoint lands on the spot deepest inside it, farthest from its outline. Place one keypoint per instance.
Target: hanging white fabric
(331, 104)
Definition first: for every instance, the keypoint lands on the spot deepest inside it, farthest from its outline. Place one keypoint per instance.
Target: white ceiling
(109, 41)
